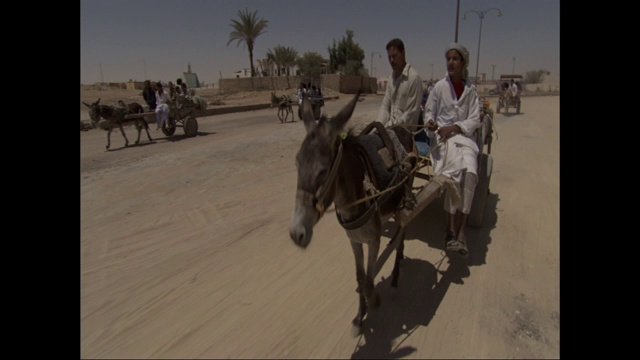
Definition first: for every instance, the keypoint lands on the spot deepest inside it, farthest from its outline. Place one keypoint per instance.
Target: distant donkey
(284, 106)
(115, 117)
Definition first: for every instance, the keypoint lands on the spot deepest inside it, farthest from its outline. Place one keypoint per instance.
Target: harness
(372, 158)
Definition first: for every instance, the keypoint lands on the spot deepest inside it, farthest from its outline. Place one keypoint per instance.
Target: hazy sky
(144, 39)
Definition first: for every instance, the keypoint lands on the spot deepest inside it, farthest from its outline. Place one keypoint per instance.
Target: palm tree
(265, 66)
(278, 57)
(247, 30)
(290, 56)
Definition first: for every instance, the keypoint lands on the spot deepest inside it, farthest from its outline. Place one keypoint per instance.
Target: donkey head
(94, 112)
(317, 161)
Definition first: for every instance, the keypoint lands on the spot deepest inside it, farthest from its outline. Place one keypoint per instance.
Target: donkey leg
(399, 257)
(109, 136)
(373, 299)
(139, 128)
(358, 253)
(146, 128)
(126, 141)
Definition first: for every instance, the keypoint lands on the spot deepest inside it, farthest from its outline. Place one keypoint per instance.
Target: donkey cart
(182, 114)
(369, 182)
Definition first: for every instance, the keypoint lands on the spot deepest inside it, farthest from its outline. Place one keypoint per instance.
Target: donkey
(115, 117)
(284, 106)
(331, 169)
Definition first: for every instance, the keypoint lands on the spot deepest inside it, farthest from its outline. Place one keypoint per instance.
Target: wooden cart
(182, 113)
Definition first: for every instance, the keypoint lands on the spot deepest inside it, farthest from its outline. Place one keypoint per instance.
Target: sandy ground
(185, 251)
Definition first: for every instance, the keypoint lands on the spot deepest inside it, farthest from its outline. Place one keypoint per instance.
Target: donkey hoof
(357, 322)
(374, 301)
(356, 330)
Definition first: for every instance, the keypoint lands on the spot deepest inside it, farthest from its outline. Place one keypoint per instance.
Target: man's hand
(448, 131)
(431, 125)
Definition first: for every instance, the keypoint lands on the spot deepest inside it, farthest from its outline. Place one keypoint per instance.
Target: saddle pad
(380, 163)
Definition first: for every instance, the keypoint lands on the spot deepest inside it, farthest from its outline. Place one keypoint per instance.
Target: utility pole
(513, 71)
(431, 71)
(371, 69)
(457, 18)
(493, 71)
(481, 15)
(144, 65)
(102, 78)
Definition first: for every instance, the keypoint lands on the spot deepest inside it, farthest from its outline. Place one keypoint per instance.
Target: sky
(156, 40)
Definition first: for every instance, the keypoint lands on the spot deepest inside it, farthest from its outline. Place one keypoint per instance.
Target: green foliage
(283, 57)
(535, 77)
(265, 67)
(246, 31)
(346, 56)
(310, 64)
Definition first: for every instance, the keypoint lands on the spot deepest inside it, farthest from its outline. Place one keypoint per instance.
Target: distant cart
(506, 99)
(182, 113)
(317, 102)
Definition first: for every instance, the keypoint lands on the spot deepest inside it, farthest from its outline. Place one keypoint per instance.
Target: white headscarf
(465, 56)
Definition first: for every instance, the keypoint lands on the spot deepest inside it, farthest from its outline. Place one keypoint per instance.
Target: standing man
(401, 103)
(514, 88)
(149, 95)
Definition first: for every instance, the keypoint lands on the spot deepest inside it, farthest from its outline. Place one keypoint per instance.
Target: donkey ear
(86, 104)
(339, 120)
(307, 114)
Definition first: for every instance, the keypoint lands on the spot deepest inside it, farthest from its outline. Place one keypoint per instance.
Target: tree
(283, 57)
(534, 77)
(346, 56)
(310, 64)
(277, 56)
(246, 31)
(265, 66)
(290, 56)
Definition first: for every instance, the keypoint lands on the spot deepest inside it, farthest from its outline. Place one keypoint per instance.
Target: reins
(391, 188)
(324, 189)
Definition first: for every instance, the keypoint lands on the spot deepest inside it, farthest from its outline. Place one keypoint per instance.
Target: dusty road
(185, 252)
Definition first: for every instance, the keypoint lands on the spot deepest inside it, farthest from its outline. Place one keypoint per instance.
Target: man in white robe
(452, 114)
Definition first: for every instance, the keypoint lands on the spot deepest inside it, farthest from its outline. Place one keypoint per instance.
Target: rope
(422, 159)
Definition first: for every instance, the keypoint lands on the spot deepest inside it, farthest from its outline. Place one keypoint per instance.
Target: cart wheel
(316, 112)
(485, 167)
(190, 126)
(169, 130)
(518, 107)
(499, 105)
(299, 112)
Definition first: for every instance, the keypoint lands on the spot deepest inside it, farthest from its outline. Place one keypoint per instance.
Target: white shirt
(162, 98)
(402, 97)
(514, 89)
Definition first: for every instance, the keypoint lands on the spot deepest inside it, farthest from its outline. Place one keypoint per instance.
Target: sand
(185, 251)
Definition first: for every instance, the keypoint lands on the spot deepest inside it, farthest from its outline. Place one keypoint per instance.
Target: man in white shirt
(401, 103)
(514, 88)
(162, 106)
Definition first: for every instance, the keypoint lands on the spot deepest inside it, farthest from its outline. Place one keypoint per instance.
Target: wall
(135, 85)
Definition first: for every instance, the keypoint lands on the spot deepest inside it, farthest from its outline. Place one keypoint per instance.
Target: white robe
(460, 152)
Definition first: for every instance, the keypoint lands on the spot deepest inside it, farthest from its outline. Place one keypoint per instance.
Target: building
(191, 78)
